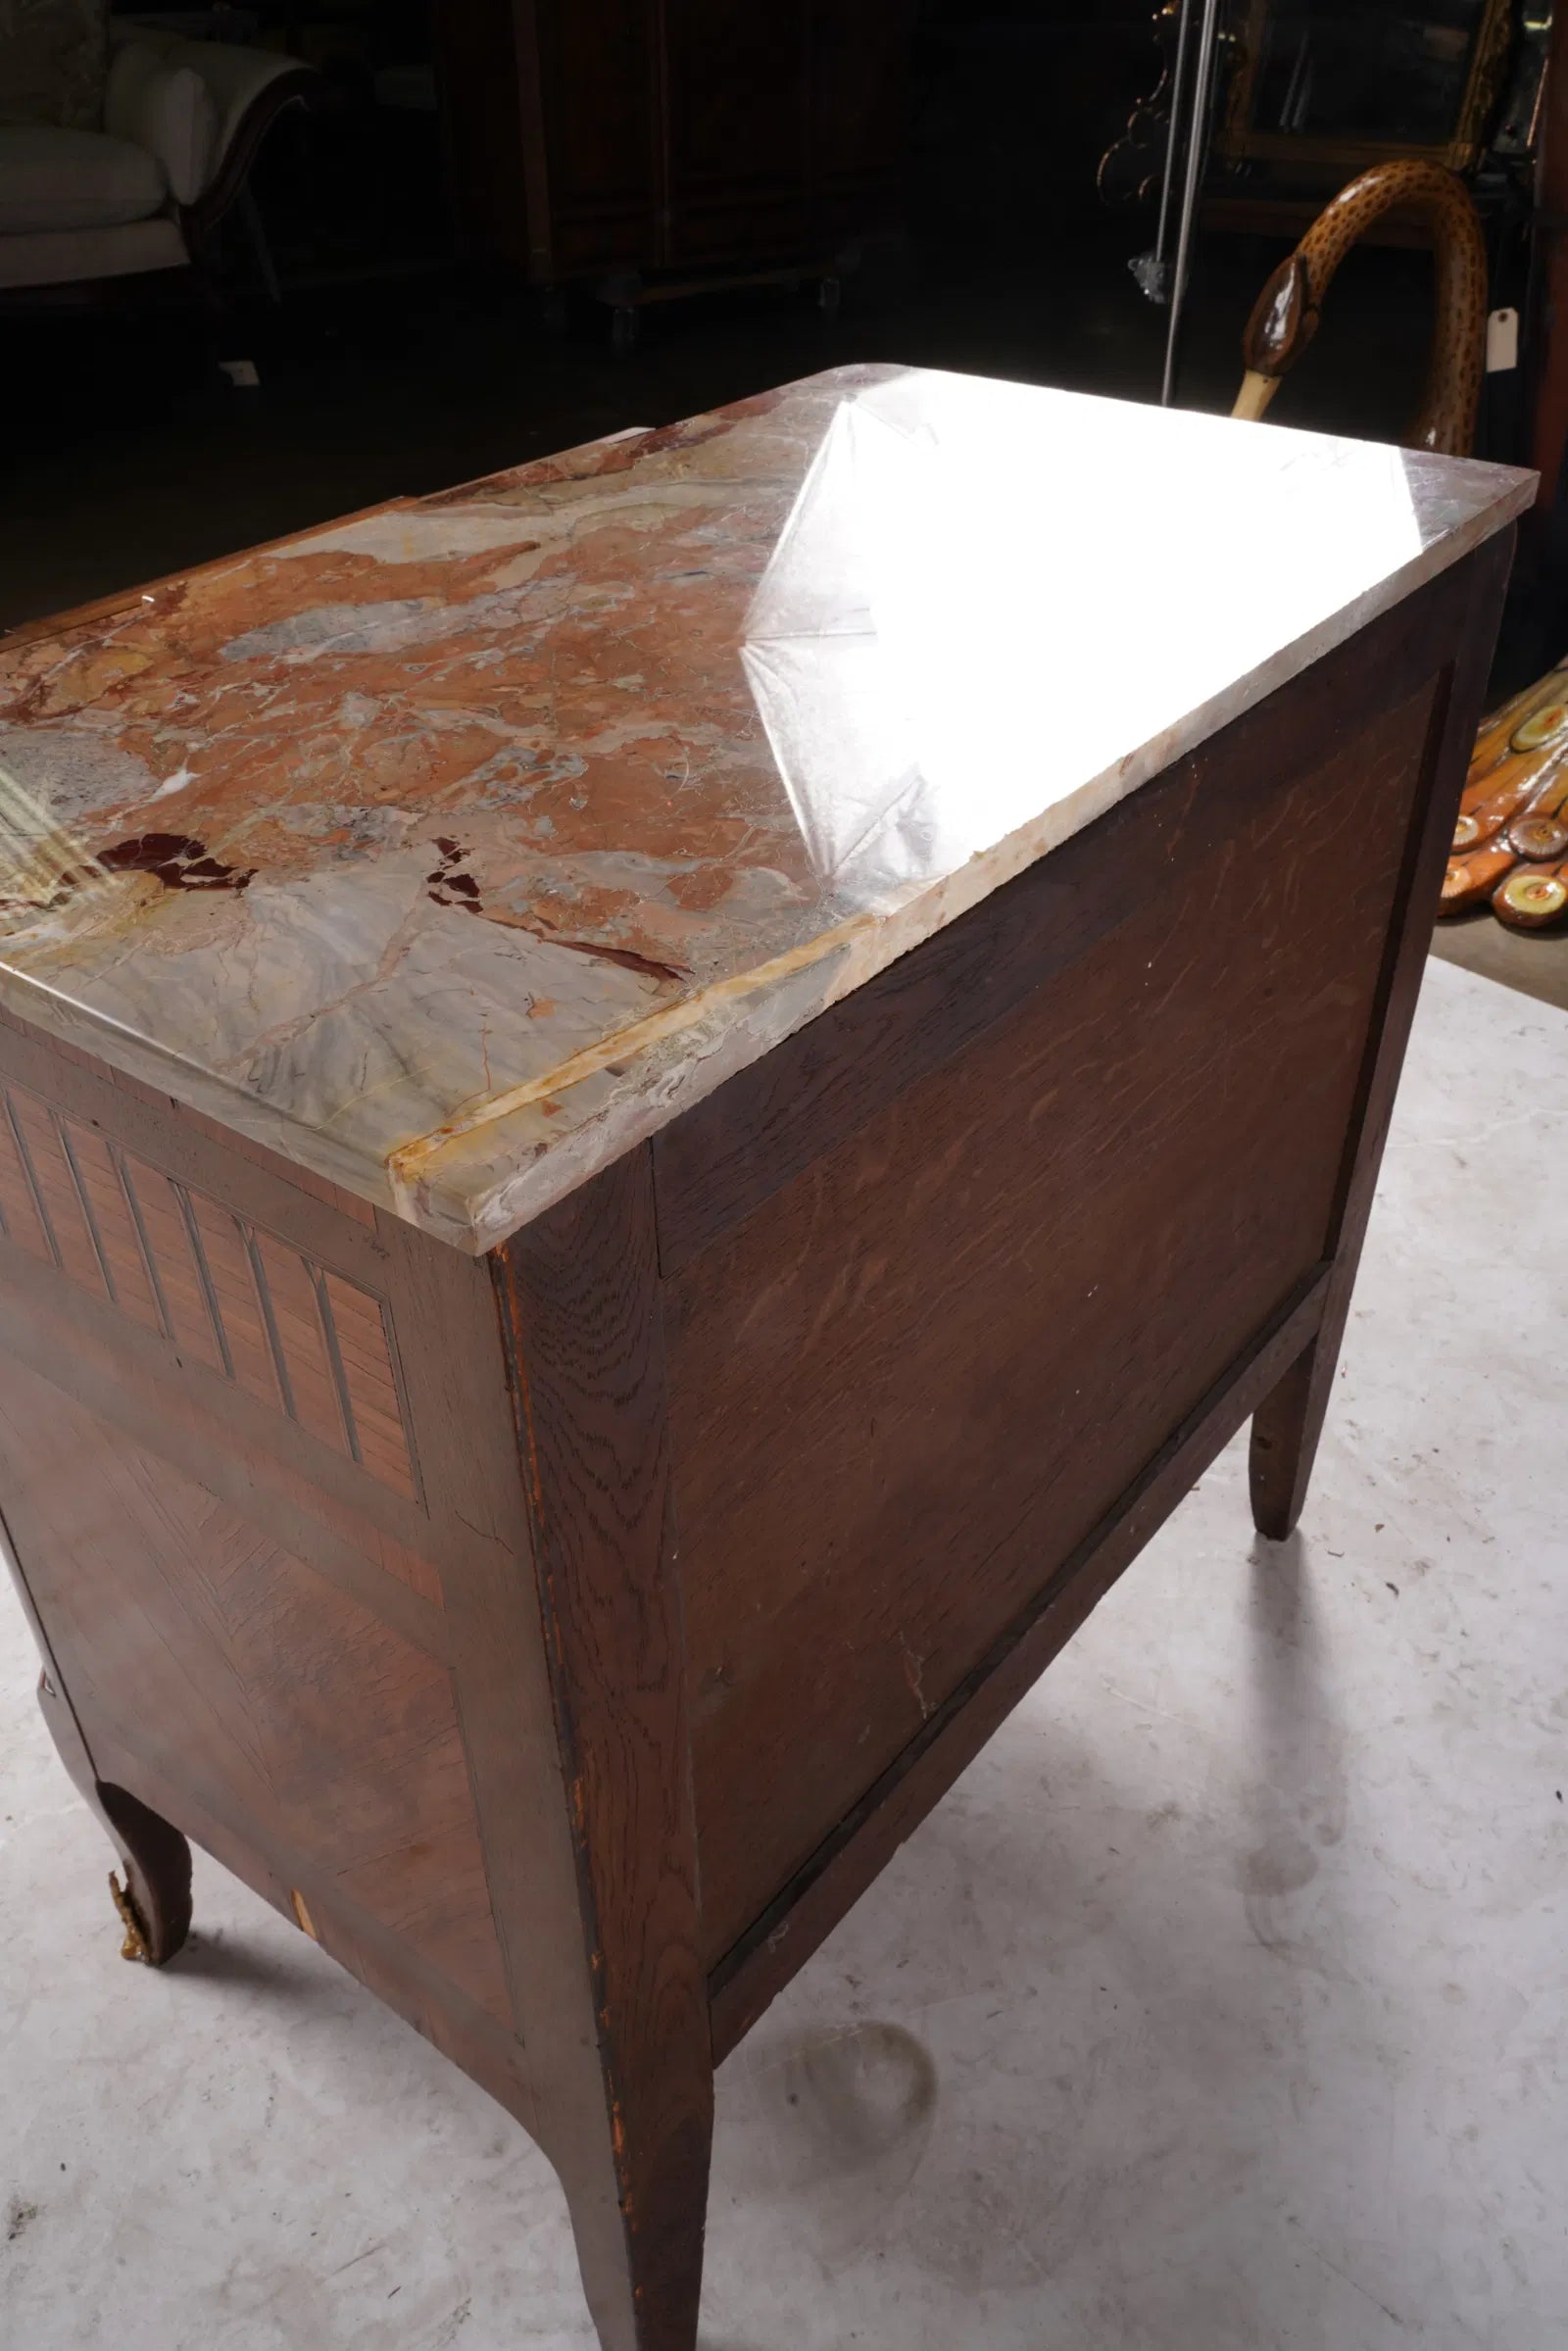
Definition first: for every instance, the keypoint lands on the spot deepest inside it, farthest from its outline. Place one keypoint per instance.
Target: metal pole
(1178, 89)
(1152, 270)
(1197, 156)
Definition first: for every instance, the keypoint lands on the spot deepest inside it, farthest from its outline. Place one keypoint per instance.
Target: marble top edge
(708, 724)
(856, 952)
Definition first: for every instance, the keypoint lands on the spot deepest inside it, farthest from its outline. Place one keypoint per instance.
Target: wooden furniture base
(566, 1638)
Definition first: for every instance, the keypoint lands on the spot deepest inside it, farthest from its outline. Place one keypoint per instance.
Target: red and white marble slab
(453, 848)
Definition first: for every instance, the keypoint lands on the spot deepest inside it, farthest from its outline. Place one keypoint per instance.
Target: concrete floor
(1220, 2008)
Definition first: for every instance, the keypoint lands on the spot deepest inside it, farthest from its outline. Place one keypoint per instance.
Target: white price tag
(1503, 342)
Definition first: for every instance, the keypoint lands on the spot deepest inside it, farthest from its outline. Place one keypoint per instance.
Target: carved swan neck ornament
(1285, 315)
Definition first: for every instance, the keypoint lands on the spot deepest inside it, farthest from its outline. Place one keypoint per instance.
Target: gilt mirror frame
(1240, 140)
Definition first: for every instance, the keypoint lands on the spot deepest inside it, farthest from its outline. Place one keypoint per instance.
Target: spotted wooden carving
(1285, 317)
(245, 1304)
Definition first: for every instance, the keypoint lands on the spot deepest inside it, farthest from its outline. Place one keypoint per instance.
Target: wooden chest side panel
(240, 1674)
(300, 1407)
(907, 1385)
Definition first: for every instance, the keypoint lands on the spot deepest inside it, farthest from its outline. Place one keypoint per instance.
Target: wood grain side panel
(386, 1964)
(286, 1708)
(988, 1306)
(860, 1846)
(383, 1962)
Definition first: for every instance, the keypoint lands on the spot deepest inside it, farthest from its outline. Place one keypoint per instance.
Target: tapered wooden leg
(154, 1902)
(1286, 1428)
(639, 2222)
(582, 1313)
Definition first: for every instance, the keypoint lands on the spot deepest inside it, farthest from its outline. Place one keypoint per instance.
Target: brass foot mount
(134, 1945)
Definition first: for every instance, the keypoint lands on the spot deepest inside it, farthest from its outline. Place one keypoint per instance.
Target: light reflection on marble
(454, 850)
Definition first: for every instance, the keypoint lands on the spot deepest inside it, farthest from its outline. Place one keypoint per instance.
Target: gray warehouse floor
(1220, 2008)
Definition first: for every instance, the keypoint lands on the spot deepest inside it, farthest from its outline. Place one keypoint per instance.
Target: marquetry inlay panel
(286, 1707)
(242, 1301)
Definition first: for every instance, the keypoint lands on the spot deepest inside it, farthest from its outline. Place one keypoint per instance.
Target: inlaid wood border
(292, 1333)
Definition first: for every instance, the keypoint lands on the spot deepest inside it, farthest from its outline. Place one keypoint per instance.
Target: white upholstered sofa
(122, 146)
